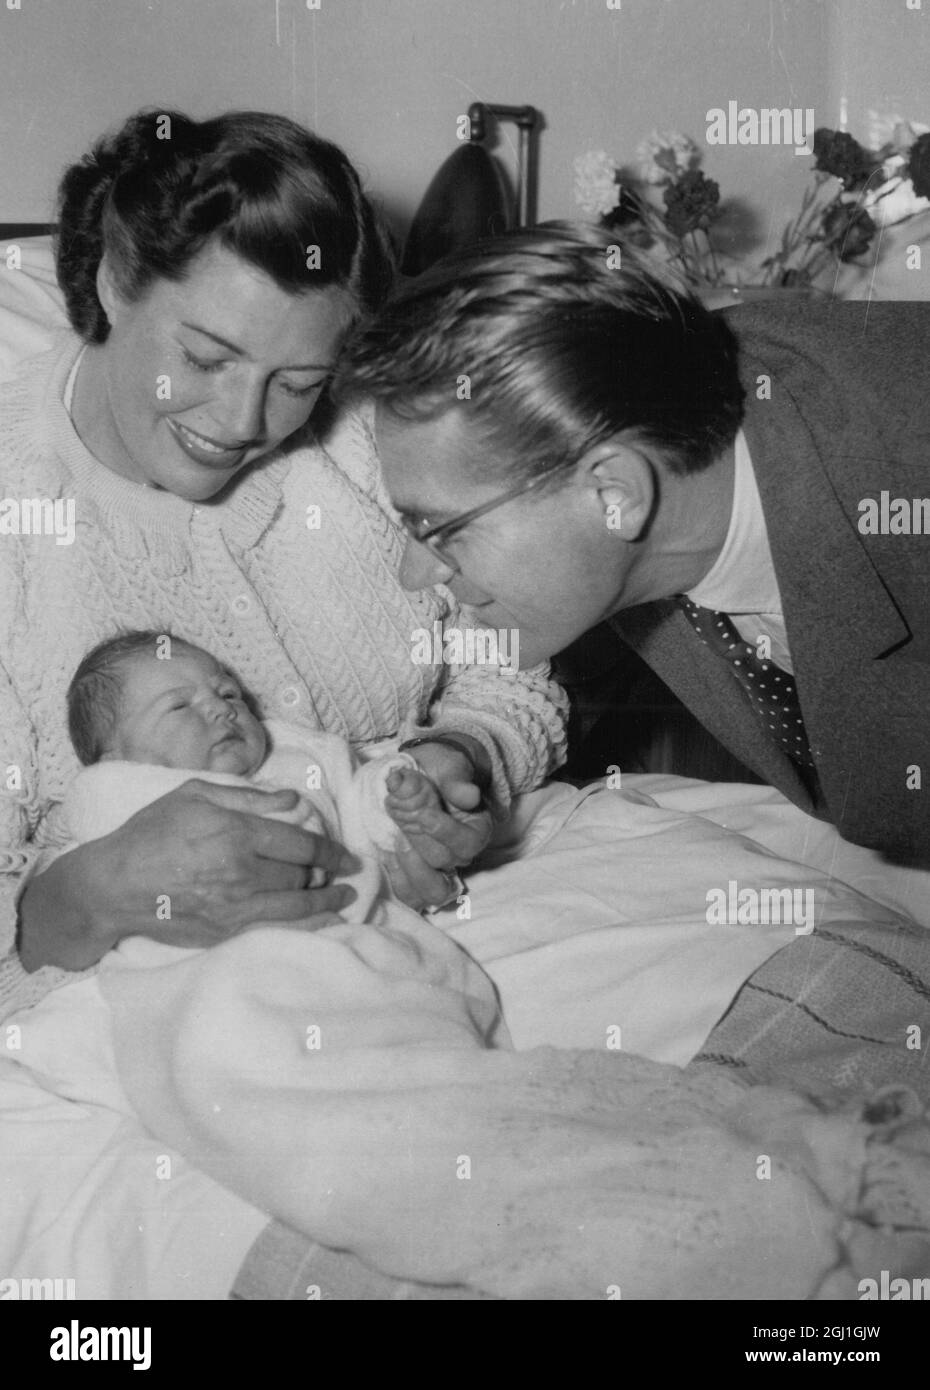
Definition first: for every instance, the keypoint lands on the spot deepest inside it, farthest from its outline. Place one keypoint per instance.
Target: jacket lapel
(840, 618)
(663, 637)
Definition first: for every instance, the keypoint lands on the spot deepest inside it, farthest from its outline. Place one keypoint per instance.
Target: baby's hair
(95, 695)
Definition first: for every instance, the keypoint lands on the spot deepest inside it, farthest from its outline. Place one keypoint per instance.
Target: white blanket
(596, 932)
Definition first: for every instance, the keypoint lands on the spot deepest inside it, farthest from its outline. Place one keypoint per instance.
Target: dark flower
(627, 213)
(849, 229)
(918, 167)
(690, 203)
(836, 152)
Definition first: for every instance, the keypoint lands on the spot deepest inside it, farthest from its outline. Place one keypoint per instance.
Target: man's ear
(107, 292)
(622, 484)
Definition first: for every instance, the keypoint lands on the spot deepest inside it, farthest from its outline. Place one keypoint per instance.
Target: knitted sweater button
(12, 861)
(241, 604)
(290, 696)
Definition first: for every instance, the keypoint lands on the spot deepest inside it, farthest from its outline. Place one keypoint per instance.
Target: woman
(210, 272)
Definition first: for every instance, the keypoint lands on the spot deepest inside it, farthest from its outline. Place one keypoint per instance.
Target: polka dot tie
(771, 691)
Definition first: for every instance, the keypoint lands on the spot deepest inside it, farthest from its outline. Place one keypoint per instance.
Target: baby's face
(185, 711)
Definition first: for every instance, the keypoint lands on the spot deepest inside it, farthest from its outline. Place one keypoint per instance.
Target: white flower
(895, 201)
(904, 135)
(596, 189)
(665, 154)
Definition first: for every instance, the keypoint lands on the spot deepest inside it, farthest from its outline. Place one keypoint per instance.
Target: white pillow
(31, 304)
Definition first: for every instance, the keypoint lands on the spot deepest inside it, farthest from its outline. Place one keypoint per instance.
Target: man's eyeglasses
(436, 538)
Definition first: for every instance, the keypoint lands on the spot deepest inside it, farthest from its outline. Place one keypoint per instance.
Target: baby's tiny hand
(412, 800)
(424, 874)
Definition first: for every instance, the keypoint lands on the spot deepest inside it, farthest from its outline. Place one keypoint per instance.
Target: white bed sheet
(86, 1195)
(623, 942)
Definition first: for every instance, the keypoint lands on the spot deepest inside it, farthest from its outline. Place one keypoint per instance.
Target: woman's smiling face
(202, 376)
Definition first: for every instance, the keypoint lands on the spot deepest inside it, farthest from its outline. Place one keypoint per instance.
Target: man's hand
(439, 817)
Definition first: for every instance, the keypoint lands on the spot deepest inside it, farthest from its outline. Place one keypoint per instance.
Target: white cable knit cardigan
(304, 605)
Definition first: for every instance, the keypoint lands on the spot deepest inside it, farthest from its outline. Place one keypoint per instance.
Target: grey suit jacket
(849, 417)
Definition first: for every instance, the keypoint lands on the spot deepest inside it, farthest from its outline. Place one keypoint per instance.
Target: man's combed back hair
(561, 351)
(155, 193)
(95, 695)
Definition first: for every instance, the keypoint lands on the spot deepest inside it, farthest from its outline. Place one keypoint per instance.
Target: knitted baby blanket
(545, 1174)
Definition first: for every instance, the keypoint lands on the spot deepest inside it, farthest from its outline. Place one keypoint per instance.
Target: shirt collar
(742, 578)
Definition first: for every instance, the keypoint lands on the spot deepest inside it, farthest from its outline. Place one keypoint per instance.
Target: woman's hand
(193, 868)
(441, 820)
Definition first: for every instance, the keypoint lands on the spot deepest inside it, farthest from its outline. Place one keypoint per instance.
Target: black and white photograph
(465, 669)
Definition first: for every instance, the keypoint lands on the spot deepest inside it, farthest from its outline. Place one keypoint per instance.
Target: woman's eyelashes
(212, 365)
(300, 391)
(201, 364)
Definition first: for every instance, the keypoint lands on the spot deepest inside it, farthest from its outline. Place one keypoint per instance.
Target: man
(568, 439)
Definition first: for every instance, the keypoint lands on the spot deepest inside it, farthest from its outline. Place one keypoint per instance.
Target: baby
(153, 699)
(148, 711)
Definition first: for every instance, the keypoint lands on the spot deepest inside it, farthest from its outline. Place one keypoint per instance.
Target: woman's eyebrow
(240, 352)
(223, 342)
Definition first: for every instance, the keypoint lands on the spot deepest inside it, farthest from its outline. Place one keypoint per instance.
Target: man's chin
(535, 648)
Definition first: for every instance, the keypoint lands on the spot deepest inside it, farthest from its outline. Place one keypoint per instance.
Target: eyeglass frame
(447, 529)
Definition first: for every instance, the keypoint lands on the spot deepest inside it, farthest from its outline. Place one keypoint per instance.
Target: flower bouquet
(672, 207)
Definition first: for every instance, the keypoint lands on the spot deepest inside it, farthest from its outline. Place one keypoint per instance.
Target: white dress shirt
(742, 582)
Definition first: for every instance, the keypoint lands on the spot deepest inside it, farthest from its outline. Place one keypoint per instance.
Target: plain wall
(388, 78)
(879, 55)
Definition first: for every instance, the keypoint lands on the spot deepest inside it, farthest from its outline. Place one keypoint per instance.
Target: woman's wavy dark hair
(153, 195)
(565, 340)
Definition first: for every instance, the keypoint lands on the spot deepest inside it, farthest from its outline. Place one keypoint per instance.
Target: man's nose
(420, 567)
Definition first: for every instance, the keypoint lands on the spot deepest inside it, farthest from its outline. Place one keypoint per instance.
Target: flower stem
(717, 272)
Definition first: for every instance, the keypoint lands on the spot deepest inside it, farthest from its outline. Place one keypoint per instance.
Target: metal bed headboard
(8, 230)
